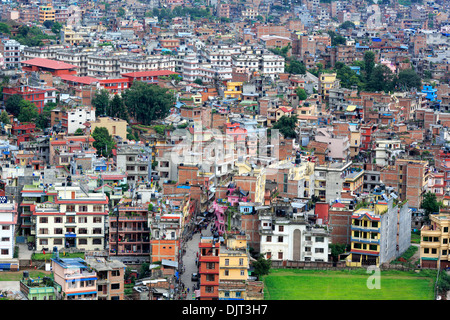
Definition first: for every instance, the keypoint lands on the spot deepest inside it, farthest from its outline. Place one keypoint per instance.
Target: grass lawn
(48, 256)
(17, 275)
(295, 284)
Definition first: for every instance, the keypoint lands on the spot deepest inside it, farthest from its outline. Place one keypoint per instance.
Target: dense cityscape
(224, 150)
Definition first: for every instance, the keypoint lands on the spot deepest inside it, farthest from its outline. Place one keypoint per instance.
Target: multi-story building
(135, 161)
(327, 81)
(380, 230)
(110, 277)
(75, 118)
(129, 233)
(77, 280)
(10, 49)
(46, 13)
(434, 242)
(39, 289)
(8, 221)
(129, 64)
(115, 126)
(76, 219)
(288, 236)
(409, 178)
(209, 268)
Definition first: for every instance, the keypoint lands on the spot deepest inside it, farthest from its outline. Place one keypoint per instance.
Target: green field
(295, 284)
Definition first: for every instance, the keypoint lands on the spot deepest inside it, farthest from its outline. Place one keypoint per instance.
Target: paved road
(189, 261)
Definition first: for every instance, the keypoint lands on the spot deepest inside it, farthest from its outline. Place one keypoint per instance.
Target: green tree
(28, 111)
(381, 79)
(286, 125)
(347, 25)
(337, 249)
(56, 28)
(301, 93)
(79, 132)
(104, 142)
(118, 108)
(4, 118)
(12, 104)
(261, 266)
(121, 12)
(100, 102)
(369, 63)
(429, 204)
(408, 79)
(198, 81)
(43, 120)
(336, 39)
(146, 102)
(295, 67)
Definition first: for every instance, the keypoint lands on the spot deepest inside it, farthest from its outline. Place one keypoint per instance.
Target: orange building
(209, 268)
(56, 68)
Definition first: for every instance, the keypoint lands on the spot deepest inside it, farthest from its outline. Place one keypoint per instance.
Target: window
(241, 261)
(97, 241)
(5, 252)
(319, 250)
(5, 239)
(115, 286)
(320, 239)
(97, 219)
(82, 219)
(82, 208)
(58, 231)
(58, 220)
(268, 238)
(43, 220)
(280, 239)
(82, 231)
(98, 208)
(242, 272)
(82, 242)
(226, 273)
(280, 255)
(227, 262)
(281, 228)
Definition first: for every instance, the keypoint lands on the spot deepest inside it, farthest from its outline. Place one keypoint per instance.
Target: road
(188, 261)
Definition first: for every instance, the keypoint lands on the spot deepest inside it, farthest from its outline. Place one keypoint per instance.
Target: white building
(286, 238)
(75, 220)
(8, 220)
(77, 117)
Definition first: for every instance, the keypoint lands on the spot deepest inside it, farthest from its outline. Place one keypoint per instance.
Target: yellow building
(115, 126)
(434, 242)
(70, 36)
(233, 271)
(234, 90)
(353, 182)
(46, 13)
(327, 81)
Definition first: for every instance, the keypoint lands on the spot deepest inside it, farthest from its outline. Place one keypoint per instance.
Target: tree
(198, 81)
(336, 39)
(43, 120)
(100, 102)
(429, 204)
(301, 93)
(369, 63)
(78, 132)
(337, 249)
(104, 142)
(286, 125)
(347, 25)
(295, 67)
(261, 266)
(381, 79)
(12, 104)
(28, 111)
(147, 102)
(408, 79)
(117, 108)
(4, 118)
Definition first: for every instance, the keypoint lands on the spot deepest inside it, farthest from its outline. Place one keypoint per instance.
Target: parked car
(194, 277)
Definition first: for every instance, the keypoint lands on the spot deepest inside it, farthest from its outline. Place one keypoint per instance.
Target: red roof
(83, 80)
(49, 64)
(154, 73)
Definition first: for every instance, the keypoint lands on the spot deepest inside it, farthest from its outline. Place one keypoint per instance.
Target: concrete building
(10, 49)
(8, 221)
(110, 277)
(434, 242)
(115, 126)
(381, 230)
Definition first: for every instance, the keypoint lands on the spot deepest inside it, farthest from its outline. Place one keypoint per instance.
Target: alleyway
(189, 261)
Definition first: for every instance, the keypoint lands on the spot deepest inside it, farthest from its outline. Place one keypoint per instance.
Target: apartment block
(110, 277)
(434, 242)
(209, 268)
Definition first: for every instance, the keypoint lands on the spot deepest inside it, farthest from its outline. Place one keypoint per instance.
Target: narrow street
(189, 261)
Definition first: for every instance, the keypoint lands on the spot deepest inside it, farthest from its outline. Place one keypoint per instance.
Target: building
(8, 221)
(115, 126)
(78, 281)
(129, 231)
(55, 68)
(288, 236)
(209, 268)
(75, 118)
(46, 13)
(110, 277)
(380, 230)
(134, 160)
(434, 242)
(39, 289)
(10, 50)
(76, 219)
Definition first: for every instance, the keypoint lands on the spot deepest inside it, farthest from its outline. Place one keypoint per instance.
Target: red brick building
(56, 68)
